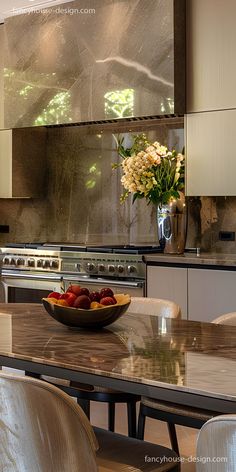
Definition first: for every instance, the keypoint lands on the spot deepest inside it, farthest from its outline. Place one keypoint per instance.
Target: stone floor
(156, 432)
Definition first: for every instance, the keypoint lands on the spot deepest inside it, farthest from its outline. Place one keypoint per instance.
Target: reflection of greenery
(20, 87)
(164, 358)
(57, 110)
(119, 103)
(8, 73)
(168, 106)
(94, 173)
(25, 91)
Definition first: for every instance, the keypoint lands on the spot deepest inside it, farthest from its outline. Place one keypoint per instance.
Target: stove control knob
(90, 267)
(20, 262)
(40, 263)
(31, 262)
(131, 269)
(111, 268)
(45, 263)
(6, 260)
(120, 269)
(54, 264)
(101, 268)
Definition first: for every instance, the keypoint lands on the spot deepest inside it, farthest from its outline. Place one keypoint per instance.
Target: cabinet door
(210, 162)
(5, 163)
(2, 49)
(169, 283)
(211, 44)
(210, 293)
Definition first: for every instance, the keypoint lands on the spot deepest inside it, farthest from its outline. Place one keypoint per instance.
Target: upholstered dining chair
(216, 445)
(42, 429)
(86, 393)
(177, 414)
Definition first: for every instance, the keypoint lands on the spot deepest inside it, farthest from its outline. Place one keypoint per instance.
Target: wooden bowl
(93, 318)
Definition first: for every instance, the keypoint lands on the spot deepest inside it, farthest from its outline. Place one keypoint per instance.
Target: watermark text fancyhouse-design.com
(56, 11)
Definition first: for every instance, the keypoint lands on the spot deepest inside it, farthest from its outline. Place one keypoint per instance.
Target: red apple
(74, 288)
(54, 295)
(69, 297)
(83, 301)
(108, 301)
(106, 292)
(95, 297)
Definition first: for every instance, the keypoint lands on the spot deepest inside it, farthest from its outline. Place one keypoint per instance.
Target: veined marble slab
(180, 355)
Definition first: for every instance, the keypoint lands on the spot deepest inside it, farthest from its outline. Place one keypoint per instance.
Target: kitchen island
(182, 361)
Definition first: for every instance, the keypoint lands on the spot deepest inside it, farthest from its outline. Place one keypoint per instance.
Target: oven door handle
(99, 281)
(10, 275)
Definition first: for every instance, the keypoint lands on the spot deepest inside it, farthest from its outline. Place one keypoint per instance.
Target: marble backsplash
(80, 201)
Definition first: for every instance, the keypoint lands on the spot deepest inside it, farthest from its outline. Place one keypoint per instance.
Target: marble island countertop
(143, 354)
(188, 258)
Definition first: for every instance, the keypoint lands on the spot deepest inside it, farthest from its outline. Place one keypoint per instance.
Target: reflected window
(119, 103)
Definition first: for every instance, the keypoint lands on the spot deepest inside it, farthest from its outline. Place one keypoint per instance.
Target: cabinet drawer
(169, 283)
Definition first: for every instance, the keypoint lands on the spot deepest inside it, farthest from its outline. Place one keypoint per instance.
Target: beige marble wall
(207, 217)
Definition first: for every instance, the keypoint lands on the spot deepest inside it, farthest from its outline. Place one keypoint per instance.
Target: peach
(95, 305)
(52, 300)
(62, 302)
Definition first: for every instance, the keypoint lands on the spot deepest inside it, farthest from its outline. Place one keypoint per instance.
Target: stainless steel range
(30, 271)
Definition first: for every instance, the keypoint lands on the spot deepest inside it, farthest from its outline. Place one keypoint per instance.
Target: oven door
(134, 288)
(27, 287)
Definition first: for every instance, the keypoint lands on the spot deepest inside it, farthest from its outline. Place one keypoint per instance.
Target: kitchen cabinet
(211, 43)
(202, 293)
(169, 283)
(210, 159)
(210, 293)
(22, 162)
(2, 49)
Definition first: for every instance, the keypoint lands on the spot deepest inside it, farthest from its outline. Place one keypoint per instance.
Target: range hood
(106, 61)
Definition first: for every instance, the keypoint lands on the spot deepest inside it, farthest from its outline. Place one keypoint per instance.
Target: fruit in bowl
(81, 297)
(84, 311)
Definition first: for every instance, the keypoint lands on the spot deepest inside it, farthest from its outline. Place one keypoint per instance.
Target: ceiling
(10, 7)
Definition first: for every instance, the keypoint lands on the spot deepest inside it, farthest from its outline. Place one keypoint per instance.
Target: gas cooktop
(106, 249)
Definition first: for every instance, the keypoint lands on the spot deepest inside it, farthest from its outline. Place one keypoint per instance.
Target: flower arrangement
(150, 170)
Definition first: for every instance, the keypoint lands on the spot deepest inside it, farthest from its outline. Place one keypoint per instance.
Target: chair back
(155, 307)
(216, 445)
(226, 319)
(42, 429)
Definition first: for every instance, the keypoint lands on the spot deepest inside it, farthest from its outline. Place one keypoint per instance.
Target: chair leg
(141, 424)
(111, 417)
(132, 421)
(85, 405)
(173, 438)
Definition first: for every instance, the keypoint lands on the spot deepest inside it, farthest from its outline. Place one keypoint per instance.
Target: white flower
(151, 169)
